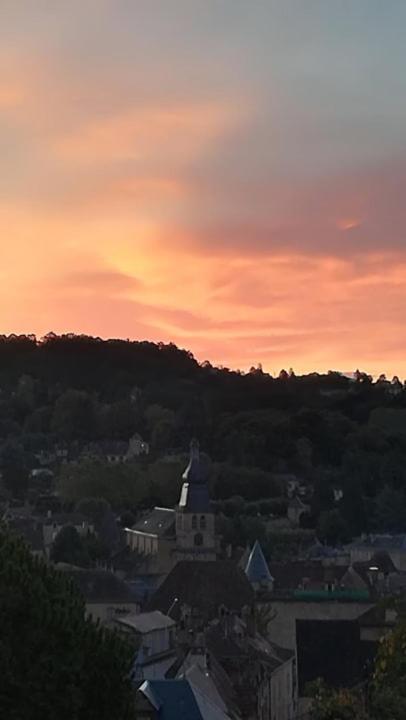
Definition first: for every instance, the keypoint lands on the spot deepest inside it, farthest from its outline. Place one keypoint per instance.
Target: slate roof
(289, 576)
(194, 495)
(254, 648)
(204, 585)
(382, 561)
(381, 542)
(194, 498)
(172, 699)
(147, 622)
(160, 521)
(257, 570)
(99, 586)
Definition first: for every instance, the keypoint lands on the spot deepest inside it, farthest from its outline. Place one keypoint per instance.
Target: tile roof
(256, 569)
(205, 586)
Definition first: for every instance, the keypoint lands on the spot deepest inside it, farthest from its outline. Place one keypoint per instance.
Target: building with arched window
(195, 532)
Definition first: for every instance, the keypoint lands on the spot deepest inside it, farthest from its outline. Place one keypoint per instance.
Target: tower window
(194, 522)
(202, 522)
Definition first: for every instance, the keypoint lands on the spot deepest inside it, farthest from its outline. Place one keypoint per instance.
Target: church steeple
(195, 534)
(194, 496)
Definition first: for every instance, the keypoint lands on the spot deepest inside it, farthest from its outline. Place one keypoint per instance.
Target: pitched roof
(204, 585)
(256, 569)
(172, 699)
(147, 622)
(290, 575)
(160, 521)
(381, 542)
(99, 586)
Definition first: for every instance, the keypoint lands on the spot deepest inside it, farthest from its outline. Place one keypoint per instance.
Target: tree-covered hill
(328, 430)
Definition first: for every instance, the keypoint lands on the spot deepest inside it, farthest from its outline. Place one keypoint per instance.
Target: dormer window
(194, 522)
(202, 522)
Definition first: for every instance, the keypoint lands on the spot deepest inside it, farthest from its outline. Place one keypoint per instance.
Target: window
(198, 539)
(202, 522)
(194, 522)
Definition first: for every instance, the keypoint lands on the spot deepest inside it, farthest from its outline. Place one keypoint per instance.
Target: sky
(223, 174)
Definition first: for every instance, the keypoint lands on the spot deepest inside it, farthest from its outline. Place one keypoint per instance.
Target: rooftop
(194, 495)
(204, 585)
(380, 542)
(160, 521)
(147, 622)
(257, 570)
(172, 699)
(99, 586)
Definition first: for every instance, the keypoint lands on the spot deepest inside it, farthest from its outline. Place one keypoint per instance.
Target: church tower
(195, 532)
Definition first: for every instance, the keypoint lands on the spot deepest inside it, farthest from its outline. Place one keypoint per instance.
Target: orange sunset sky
(223, 174)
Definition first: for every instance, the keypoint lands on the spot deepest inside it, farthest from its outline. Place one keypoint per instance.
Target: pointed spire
(194, 449)
(195, 472)
(257, 570)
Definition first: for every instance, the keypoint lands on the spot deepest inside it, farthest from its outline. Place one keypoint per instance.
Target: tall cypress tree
(54, 662)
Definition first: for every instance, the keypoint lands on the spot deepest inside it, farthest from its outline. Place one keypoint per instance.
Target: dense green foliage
(383, 699)
(326, 429)
(54, 663)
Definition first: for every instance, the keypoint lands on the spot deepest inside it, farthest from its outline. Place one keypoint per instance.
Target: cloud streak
(230, 179)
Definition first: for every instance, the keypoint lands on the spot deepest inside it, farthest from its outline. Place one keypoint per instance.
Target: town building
(364, 548)
(257, 570)
(165, 536)
(195, 531)
(107, 598)
(154, 634)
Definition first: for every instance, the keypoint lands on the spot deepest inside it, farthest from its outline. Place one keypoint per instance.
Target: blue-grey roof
(172, 699)
(257, 570)
(194, 498)
(196, 472)
(194, 495)
(381, 542)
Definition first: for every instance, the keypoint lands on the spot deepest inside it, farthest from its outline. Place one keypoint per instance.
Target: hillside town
(226, 545)
(217, 629)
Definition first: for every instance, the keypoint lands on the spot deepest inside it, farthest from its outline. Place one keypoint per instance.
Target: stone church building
(187, 532)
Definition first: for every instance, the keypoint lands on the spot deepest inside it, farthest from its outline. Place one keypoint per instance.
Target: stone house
(154, 634)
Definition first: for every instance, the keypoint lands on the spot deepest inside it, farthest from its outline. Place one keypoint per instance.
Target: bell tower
(195, 532)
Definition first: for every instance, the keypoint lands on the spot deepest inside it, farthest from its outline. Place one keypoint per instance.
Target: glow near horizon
(224, 175)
